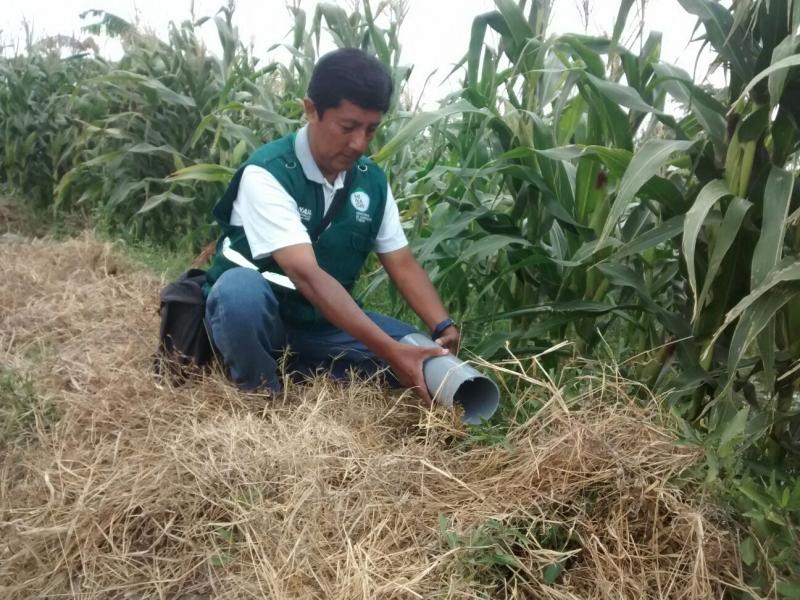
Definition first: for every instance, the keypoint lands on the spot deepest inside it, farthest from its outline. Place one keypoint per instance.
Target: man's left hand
(450, 339)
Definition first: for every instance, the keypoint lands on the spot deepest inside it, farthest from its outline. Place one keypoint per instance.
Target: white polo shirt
(270, 216)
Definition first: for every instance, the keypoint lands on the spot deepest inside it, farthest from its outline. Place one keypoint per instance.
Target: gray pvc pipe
(450, 380)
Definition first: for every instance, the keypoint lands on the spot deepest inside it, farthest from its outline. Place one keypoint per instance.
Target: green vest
(340, 250)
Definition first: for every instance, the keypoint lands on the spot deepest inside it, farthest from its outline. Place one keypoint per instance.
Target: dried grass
(331, 491)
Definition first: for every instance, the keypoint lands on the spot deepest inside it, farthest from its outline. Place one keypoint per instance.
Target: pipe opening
(479, 396)
(451, 380)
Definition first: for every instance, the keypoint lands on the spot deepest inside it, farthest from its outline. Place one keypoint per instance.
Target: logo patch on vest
(360, 201)
(305, 213)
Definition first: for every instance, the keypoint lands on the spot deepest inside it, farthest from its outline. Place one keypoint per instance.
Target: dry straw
(331, 491)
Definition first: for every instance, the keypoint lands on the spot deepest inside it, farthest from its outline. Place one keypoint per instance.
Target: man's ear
(310, 110)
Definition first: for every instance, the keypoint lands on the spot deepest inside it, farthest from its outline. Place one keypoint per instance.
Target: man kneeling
(275, 215)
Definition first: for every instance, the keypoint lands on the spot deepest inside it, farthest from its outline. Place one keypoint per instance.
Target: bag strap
(336, 205)
(205, 255)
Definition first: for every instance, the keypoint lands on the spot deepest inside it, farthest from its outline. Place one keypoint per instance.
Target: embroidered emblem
(305, 213)
(360, 200)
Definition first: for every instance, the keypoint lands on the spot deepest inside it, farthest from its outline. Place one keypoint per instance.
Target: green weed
(21, 409)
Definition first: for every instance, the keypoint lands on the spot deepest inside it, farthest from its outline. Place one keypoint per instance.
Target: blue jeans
(244, 321)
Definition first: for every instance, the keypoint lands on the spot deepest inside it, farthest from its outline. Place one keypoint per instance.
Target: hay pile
(141, 491)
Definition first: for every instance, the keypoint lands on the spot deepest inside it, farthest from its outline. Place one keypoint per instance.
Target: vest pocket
(361, 243)
(343, 256)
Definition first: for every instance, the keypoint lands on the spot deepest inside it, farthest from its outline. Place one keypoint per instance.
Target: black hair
(350, 74)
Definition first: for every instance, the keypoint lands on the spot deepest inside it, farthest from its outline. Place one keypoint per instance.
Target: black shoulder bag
(183, 342)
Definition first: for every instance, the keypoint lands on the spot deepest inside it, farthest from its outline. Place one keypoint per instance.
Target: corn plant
(36, 125)
(146, 144)
(164, 107)
(561, 200)
(543, 143)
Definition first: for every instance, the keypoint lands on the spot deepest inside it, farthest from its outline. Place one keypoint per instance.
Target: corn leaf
(203, 172)
(376, 35)
(646, 162)
(575, 308)
(651, 238)
(768, 252)
(622, 95)
(758, 314)
(162, 91)
(490, 245)
(708, 111)
(158, 199)
(621, 21)
(338, 25)
(726, 235)
(785, 273)
(775, 68)
(719, 26)
(769, 248)
(777, 80)
(712, 193)
(419, 123)
(515, 19)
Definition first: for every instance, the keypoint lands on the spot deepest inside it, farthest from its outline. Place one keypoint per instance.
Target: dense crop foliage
(559, 195)
(569, 203)
(128, 141)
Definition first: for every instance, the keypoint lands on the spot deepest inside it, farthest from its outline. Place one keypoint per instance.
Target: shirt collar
(302, 149)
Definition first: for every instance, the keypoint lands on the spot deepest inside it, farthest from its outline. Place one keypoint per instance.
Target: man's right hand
(406, 363)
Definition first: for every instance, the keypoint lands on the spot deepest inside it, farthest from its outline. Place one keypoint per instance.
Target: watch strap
(440, 328)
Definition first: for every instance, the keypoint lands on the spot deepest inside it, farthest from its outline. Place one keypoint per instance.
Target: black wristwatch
(439, 329)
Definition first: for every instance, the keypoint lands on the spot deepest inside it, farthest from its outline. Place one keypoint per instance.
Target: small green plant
(487, 434)
(224, 539)
(770, 507)
(493, 552)
(20, 407)
(487, 552)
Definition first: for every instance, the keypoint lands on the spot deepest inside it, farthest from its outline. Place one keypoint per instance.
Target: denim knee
(245, 326)
(244, 293)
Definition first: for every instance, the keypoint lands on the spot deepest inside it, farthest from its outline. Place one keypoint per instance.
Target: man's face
(341, 135)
